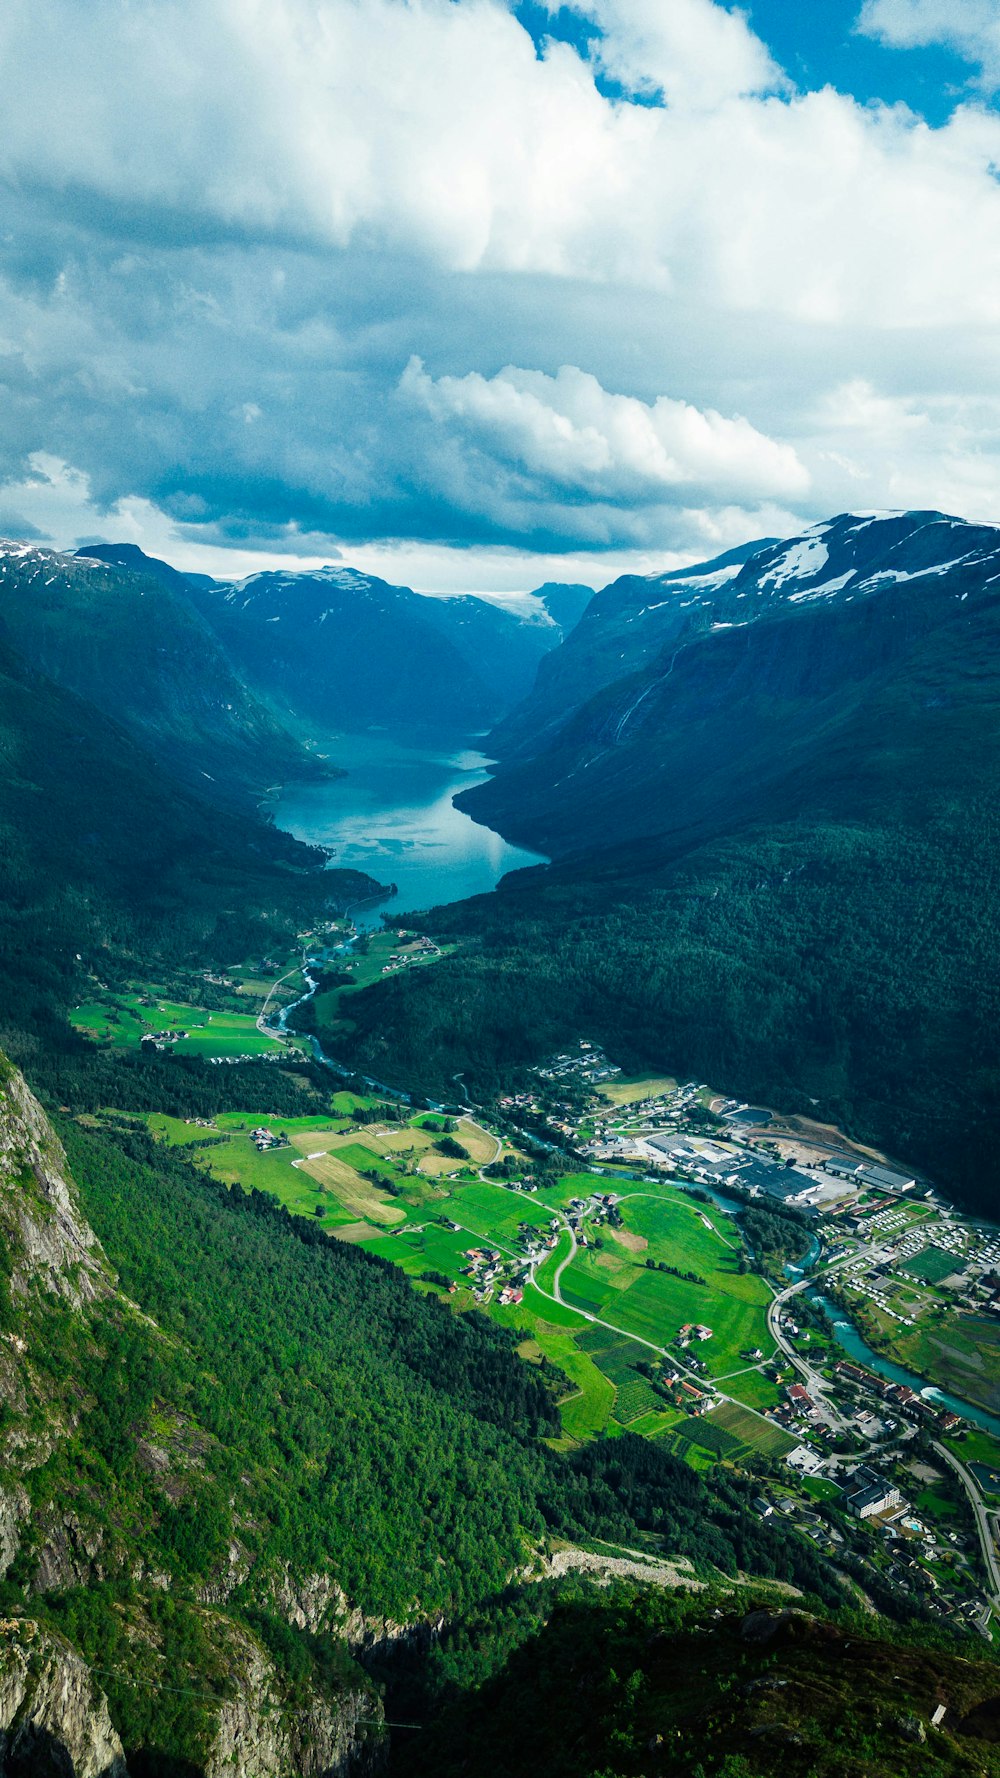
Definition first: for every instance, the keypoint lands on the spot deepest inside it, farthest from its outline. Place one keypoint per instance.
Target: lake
(393, 817)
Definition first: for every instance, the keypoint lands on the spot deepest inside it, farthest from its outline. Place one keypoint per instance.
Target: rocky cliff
(85, 1515)
(53, 1716)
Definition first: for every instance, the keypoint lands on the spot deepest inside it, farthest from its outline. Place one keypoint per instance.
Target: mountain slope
(625, 625)
(232, 1451)
(108, 864)
(853, 686)
(338, 649)
(776, 854)
(137, 649)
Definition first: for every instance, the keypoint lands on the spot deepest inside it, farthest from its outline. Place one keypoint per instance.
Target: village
(879, 1467)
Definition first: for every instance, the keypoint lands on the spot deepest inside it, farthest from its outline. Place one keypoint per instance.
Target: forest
(320, 1415)
(838, 971)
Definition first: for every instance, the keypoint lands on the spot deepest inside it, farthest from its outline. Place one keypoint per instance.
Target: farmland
(123, 1021)
(388, 1185)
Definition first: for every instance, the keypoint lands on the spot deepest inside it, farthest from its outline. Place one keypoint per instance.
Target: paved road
(704, 1383)
(818, 1386)
(983, 1525)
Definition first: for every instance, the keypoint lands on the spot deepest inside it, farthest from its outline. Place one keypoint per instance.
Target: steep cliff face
(259, 1732)
(51, 1244)
(98, 1507)
(54, 1719)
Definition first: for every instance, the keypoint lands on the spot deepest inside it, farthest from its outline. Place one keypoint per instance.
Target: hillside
(337, 649)
(137, 649)
(623, 627)
(656, 1687)
(776, 851)
(111, 867)
(822, 677)
(204, 1405)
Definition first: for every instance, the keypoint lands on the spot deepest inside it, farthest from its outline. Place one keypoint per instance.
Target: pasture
(615, 1282)
(124, 1020)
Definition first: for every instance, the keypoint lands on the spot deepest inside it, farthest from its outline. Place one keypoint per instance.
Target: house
(800, 1399)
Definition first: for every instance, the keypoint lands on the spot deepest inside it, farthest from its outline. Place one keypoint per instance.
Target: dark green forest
(843, 971)
(318, 1415)
(654, 1686)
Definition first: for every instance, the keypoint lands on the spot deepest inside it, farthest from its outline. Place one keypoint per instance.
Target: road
(707, 1385)
(817, 1385)
(982, 1517)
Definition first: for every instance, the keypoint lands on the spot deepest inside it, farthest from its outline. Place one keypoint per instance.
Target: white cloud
(432, 126)
(970, 27)
(228, 225)
(573, 434)
(693, 52)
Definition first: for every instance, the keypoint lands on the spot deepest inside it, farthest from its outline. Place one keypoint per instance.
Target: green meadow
(366, 1183)
(123, 1021)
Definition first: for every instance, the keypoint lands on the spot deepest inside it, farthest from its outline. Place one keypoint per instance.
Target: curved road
(983, 1525)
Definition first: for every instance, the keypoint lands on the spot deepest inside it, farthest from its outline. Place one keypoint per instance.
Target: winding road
(983, 1523)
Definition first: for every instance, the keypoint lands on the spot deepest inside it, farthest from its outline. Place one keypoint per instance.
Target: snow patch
(801, 561)
(826, 591)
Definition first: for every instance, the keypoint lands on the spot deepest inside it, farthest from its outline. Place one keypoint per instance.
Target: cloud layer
(355, 270)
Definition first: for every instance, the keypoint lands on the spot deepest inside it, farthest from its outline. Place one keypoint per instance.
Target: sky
(476, 294)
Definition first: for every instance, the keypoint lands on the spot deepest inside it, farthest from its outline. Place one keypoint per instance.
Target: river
(393, 816)
(851, 1342)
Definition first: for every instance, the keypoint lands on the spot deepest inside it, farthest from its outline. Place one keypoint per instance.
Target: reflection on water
(392, 816)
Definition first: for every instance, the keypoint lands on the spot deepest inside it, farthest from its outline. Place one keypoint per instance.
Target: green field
(123, 1021)
(330, 1188)
(750, 1429)
(933, 1264)
(322, 1170)
(662, 1223)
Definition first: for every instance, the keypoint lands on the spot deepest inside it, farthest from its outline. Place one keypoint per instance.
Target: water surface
(393, 817)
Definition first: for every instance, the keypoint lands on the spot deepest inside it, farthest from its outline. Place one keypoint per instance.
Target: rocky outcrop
(258, 1734)
(53, 1717)
(317, 1602)
(51, 1242)
(68, 1556)
(14, 1510)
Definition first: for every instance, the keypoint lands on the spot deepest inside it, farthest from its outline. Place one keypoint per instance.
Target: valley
(386, 1131)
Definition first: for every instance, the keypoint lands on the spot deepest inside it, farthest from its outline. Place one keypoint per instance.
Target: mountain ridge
(136, 648)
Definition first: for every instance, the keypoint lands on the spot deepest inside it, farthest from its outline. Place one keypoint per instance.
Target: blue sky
(817, 43)
(477, 294)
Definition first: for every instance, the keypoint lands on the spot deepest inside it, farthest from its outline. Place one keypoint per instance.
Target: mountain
(827, 675)
(618, 629)
(339, 650)
(129, 555)
(357, 653)
(776, 845)
(565, 602)
(110, 866)
(136, 648)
